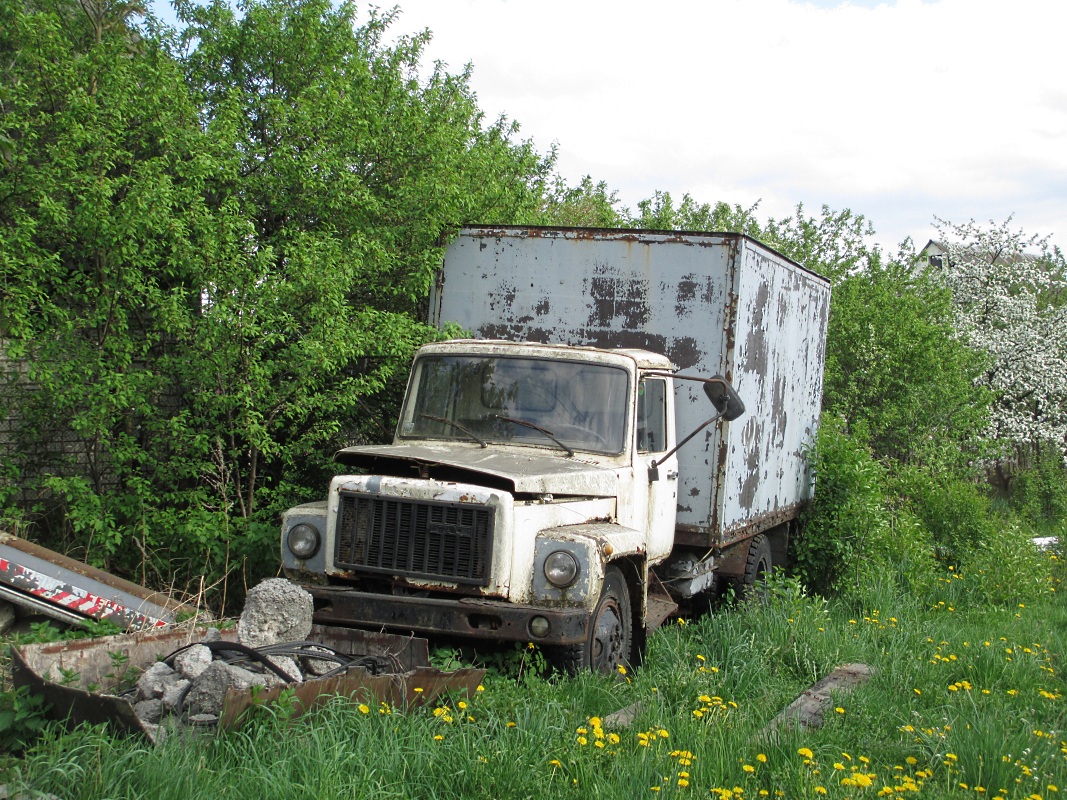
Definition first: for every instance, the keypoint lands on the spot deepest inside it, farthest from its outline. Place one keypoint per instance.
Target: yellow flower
(418, 690)
(683, 782)
(364, 708)
(839, 710)
(748, 768)
(761, 758)
(806, 752)
(622, 669)
(511, 724)
(820, 790)
(912, 760)
(583, 741)
(613, 738)
(438, 738)
(461, 705)
(555, 762)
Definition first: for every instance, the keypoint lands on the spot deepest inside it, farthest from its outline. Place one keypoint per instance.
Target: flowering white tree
(1010, 296)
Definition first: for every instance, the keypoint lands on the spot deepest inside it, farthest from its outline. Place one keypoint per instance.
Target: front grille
(417, 538)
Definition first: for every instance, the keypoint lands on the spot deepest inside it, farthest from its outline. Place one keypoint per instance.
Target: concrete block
(276, 611)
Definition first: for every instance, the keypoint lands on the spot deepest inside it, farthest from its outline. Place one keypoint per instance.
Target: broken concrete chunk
(172, 695)
(315, 666)
(276, 611)
(286, 665)
(204, 719)
(154, 680)
(193, 661)
(212, 635)
(149, 711)
(208, 691)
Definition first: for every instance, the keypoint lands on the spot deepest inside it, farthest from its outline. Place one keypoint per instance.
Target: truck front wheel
(610, 640)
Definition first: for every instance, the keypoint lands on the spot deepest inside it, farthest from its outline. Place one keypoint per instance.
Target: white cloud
(896, 110)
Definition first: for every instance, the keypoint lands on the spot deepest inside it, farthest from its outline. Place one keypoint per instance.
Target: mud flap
(658, 604)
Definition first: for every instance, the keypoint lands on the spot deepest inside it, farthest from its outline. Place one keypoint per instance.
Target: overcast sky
(900, 110)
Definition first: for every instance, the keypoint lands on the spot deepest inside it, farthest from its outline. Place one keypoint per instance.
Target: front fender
(593, 545)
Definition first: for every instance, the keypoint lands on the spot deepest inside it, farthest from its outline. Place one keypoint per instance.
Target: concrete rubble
(190, 685)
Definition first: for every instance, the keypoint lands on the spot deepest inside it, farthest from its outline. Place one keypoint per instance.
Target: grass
(967, 700)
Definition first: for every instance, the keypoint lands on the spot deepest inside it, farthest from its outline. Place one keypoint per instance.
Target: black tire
(758, 566)
(610, 641)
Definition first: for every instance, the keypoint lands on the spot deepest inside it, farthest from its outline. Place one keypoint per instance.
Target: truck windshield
(488, 400)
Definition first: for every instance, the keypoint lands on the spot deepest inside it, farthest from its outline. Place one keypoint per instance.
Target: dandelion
(839, 710)
(438, 738)
(911, 760)
(805, 752)
(511, 724)
(364, 708)
(761, 758)
(820, 790)
(622, 669)
(748, 768)
(555, 762)
(461, 705)
(683, 782)
(418, 690)
(583, 741)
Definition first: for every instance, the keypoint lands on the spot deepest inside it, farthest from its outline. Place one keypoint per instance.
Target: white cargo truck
(625, 430)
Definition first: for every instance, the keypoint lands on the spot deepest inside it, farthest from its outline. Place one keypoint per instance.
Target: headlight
(303, 540)
(561, 569)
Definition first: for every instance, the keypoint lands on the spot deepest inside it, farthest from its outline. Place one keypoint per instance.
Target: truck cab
(527, 492)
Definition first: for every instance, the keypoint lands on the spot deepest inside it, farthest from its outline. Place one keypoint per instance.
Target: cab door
(655, 436)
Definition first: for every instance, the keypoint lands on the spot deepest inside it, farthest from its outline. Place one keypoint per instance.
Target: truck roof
(644, 359)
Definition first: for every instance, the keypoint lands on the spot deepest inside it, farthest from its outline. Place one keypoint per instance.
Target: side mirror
(724, 398)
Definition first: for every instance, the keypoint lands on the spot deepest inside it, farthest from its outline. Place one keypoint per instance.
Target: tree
(1007, 291)
(895, 365)
(213, 252)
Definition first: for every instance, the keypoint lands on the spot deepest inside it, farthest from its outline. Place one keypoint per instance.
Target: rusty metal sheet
(73, 592)
(403, 691)
(714, 303)
(91, 665)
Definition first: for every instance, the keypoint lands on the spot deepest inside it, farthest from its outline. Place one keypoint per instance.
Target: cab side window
(652, 416)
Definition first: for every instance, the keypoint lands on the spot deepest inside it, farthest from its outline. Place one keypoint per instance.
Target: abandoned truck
(627, 431)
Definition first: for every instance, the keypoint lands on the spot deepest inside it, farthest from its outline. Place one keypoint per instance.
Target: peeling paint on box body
(713, 303)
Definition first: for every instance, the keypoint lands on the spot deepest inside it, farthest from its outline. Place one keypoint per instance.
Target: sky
(900, 110)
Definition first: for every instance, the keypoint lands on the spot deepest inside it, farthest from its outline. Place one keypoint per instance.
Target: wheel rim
(607, 642)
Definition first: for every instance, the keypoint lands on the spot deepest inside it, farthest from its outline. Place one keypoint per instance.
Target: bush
(1039, 493)
(1006, 568)
(957, 512)
(848, 510)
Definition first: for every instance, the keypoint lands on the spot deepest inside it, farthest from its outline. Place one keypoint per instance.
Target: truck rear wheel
(757, 569)
(609, 643)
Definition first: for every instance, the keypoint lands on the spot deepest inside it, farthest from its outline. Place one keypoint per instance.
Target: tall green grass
(967, 700)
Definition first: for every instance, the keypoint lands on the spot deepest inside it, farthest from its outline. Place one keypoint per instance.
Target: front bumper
(467, 617)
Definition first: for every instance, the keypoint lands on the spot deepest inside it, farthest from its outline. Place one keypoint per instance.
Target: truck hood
(510, 470)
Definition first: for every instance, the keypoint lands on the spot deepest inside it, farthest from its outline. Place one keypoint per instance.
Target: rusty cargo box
(714, 303)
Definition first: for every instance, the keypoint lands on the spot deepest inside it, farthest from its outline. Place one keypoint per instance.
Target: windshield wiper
(458, 427)
(537, 428)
